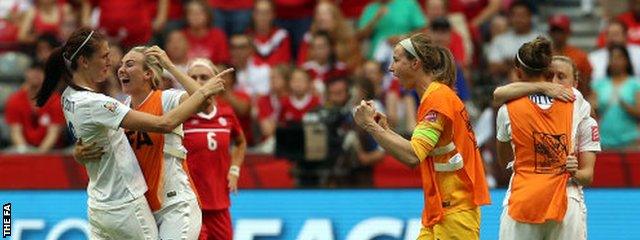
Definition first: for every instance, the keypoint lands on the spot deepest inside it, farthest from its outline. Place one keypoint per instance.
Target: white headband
(202, 63)
(525, 65)
(408, 45)
(68, 60)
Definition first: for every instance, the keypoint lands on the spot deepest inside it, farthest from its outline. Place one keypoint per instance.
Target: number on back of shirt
(211, 141)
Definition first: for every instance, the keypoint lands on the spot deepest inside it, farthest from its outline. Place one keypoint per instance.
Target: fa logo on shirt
(138, 139)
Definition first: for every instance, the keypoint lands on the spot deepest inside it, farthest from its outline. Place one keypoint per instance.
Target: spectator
(617, 99)
(353, 164)
(386, 89)
(233, 17)
(460, 30)
(299, 101)
(44, 45)
(177, 48)
(327, 17)
(504, 47)
(72, 22)
(272, 44)
(252, 77)
(442, 36)
(476, 12)
(172, 12)
(127, 22)
(323, 63)
(11, 11)
(295, 17)
(384, 19)
(269, 106)
(499, 25)
(631, 20)
(559, 31)
(615, 35)
(175, 15)
(32, 128)
(204, 41)
(45, 17)
(446, 37)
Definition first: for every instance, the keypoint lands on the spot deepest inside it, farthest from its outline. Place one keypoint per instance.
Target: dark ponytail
(63, 61)
(54, 70)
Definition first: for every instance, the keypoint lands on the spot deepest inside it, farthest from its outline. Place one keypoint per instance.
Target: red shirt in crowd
(323, 73)
(292, 110)
(34, 121)
(456, 45)
(212, 45)
(633, 29)
(294, 9)
(231, 4)
(8, 36)
(272, 49)
(303, 49)
(352, 8)
(123, 19)
(268, 107)
(207, 138)
(175, 9)
(470, 8)
(40, 27)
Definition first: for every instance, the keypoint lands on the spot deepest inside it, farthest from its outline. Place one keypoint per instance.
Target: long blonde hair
(151, 63)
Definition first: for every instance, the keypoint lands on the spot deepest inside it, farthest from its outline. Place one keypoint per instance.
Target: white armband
(234, 170)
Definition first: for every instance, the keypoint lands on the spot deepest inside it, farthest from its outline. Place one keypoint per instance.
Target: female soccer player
(161, 156)
(443, 143)
(117, 209)
(587, 140)
(208, 138)
(539, 134)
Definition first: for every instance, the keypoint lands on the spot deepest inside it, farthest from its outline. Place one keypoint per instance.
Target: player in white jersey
(117, 209)
(586, 142)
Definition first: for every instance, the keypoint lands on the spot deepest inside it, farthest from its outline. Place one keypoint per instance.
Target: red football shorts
(216, 225)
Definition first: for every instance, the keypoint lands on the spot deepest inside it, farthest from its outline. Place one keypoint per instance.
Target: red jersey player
(214, 170)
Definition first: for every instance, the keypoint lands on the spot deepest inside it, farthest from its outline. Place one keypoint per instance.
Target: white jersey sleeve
(171, 99)
(503, 125)
(588, 136)
(581, 107)
(173, 140)
(107, 111)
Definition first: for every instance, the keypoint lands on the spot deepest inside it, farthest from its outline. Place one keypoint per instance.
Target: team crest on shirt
(111, 106)
(222, 121)
(595, 134)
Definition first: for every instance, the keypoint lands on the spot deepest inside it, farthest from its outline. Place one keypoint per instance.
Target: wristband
(235, 171)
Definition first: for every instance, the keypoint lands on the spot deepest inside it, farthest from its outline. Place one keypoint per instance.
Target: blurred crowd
(301, 65)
